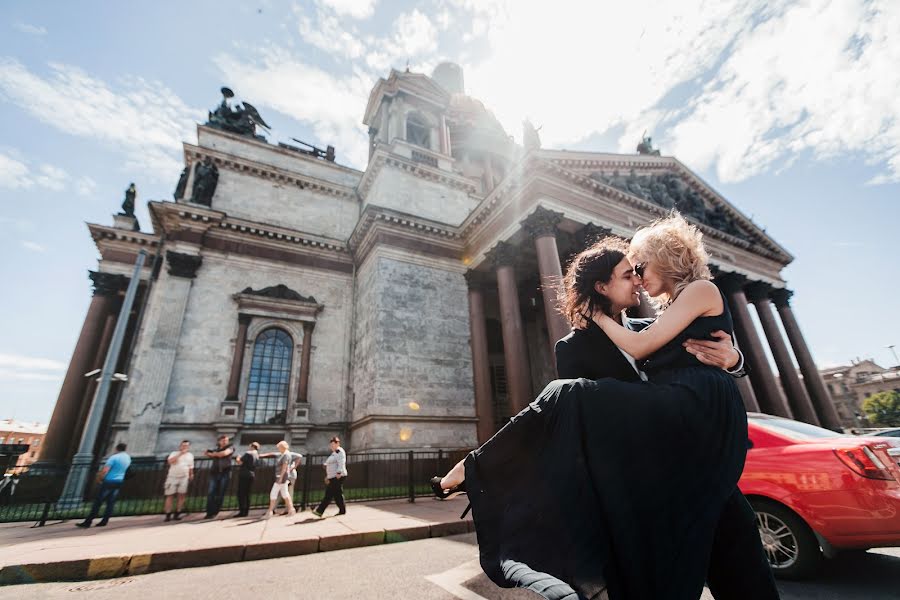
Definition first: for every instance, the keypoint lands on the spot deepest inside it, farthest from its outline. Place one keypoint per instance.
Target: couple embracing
(620, 480)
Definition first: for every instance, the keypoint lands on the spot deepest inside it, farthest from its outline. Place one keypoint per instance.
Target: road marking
(451, 581)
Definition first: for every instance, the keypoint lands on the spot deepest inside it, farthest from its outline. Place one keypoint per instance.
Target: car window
(794, 429)
(890, 433)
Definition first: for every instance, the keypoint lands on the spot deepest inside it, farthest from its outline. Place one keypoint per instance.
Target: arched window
(418, 131)
(270, 378)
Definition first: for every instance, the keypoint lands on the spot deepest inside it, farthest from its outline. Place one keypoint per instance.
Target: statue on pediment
(128, 203)
(182, 184)
(242, 118)
(279, 292)
(206, 177)
(646, 146)
(531, 139)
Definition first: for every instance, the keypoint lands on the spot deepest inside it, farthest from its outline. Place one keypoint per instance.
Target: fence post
(412, 484)
(44, 514)
(304, 498)
(440, 462)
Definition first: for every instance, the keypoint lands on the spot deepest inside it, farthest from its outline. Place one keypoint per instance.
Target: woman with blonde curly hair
(613, 487)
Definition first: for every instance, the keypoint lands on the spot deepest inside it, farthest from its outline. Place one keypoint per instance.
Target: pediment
(666, 184)
(415, 84)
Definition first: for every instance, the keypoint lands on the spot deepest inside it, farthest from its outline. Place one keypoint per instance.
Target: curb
(106, 567)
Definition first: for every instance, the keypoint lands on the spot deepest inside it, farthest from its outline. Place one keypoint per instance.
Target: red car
(816, 492)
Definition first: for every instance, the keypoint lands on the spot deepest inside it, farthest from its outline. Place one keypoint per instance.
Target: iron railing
(35, 493)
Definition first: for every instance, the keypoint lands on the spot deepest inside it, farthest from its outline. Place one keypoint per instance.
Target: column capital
(781, 297)
(731, 282)
(503, 254)
(590, 234)
(244, 319)
(107, 284)
(183, 265)
(758, 291)
(308, 326)
(542, 221)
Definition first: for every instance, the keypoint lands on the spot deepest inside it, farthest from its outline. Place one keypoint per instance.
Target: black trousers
(334, 490)
(245, 484)
(738, 568)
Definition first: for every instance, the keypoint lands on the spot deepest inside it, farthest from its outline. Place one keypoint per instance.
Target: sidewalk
(60, 551)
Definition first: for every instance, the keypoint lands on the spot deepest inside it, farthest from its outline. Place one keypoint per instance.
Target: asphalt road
(433, 569)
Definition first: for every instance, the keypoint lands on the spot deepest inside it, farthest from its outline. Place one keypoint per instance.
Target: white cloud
(326, 33)
(358, 9)
(16, 375)
(85, 186)
(30, 29)
(332, 105)
(774, 98)
(144, 120)
(33, 246)
(16, 174)
(413, 37)
(17, 361)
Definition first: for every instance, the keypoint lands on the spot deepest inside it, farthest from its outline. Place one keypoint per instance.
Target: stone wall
(285, 205)
(411, 357)
(413, 195)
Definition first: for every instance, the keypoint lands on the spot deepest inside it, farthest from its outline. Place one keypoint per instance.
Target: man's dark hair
(335, 439)
(221, 437)
(120, 447)
(185, 441)
(578, 298)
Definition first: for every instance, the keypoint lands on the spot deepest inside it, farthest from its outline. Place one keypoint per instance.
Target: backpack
(129, 472)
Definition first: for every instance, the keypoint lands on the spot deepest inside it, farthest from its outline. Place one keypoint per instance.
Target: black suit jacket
(589, 353)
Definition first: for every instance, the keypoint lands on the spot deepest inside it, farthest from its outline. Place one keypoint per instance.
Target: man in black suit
(738, 567)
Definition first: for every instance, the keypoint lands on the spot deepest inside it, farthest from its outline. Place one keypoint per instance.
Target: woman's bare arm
(700, 298)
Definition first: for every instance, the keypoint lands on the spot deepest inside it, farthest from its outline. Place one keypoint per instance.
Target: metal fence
(34, 494)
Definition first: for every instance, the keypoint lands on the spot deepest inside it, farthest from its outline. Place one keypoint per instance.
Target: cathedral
(410, 305)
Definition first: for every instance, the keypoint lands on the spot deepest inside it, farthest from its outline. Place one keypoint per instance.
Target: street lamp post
(894, 352)
(79, 473)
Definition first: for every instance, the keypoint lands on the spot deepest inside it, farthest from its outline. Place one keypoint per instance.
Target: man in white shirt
(335, 472)
(181, 472)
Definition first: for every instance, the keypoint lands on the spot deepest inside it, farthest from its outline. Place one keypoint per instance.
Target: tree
(883, 409)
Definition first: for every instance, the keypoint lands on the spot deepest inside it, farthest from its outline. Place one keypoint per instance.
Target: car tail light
(862, 461)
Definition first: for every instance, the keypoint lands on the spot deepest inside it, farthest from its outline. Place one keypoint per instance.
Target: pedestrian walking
(335, 472)
(246, 475)
(110, 478)
(181, 472)
(285, 475)
(219, 475)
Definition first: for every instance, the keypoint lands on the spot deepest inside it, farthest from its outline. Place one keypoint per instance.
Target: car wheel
(790, 545)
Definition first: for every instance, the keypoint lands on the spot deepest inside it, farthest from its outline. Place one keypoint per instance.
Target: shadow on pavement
(850, 576)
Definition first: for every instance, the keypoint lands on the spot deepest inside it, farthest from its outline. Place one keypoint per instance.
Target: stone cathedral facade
(406, 306)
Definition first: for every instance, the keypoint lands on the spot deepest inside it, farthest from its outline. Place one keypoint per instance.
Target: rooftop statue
(128, 203)
(206, 176)
(531, 140)
(646, 147)
(241, 118)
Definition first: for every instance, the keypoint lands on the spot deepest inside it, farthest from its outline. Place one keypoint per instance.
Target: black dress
(609, 484)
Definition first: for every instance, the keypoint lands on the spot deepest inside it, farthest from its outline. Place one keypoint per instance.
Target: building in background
(408, 305)
(851, 384)
(30, 434)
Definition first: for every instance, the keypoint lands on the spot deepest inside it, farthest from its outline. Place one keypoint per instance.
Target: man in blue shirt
(110, 478)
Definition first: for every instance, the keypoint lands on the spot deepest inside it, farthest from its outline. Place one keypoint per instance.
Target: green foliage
(883, 409)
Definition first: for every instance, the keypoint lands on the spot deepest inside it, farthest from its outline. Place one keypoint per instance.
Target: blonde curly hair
(675, 247)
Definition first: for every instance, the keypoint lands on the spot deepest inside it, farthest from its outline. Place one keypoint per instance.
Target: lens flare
(405, 434)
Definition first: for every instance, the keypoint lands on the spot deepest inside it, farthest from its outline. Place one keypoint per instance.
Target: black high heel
(442, 494)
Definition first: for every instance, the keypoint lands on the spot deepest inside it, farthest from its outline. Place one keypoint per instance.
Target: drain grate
(100, 585)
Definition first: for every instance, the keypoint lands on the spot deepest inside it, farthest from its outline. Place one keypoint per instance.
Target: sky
(790, 110)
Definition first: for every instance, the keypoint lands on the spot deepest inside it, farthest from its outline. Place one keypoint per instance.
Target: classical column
(481, 377)
(821, 399)
(237, 361)
(515, 357)
(801, 406)
(58, 439)
(768, 394)
(303, 388)
(747, 394)
(144, 401)
(541, 224)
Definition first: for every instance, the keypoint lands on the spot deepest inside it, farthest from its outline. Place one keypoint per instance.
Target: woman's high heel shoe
(442, 494)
